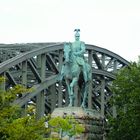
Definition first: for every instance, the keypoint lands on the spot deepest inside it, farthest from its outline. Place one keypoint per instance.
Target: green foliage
(13, 126)
(7, 97)
(126, 90)
(25, 128)
(66, 126)
(2, 79)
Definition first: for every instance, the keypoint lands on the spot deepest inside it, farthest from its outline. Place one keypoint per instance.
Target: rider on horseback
(74, 64)
(78, 50)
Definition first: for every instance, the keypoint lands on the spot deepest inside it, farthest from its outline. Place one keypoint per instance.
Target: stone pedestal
(91, 120)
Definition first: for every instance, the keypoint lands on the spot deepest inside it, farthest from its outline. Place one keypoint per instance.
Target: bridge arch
(38, 65)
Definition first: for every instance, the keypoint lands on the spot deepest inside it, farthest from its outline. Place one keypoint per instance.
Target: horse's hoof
(70, 105)
(83, 106)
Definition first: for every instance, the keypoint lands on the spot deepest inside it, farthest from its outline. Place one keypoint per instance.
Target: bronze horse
(71, 72)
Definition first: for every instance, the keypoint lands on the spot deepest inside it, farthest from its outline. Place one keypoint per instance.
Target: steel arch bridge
(38, 65)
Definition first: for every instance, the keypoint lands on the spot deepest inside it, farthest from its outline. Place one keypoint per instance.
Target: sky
(110, 24)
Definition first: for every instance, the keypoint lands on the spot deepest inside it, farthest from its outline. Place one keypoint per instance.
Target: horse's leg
(85, 73)
(85, 94)
(72, 84)
(69, 92)
(67, 83)
(87, 84)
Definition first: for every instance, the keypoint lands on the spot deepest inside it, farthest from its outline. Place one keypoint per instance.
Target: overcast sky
(111, 24)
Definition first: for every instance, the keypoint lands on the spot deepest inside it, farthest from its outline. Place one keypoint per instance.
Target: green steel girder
(36, 89)
(97, 60)
(10, 77)
(52, 64)
(22, 57)
(39, 67)
(108, 53)
(34, 70)
(103, 73)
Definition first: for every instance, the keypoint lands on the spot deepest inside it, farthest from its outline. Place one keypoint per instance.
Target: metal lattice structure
(38, 65)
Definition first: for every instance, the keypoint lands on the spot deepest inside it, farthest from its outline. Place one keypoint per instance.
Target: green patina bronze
(76, 67)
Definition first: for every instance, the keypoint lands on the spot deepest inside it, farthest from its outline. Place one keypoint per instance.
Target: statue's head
(77, 34)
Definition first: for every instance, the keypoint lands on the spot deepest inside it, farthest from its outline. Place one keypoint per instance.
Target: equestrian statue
(76, 68)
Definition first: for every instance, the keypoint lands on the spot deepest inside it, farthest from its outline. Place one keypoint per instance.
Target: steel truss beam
(39, 67)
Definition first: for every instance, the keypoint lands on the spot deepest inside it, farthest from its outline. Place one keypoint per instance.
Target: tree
(65, 126)
(13, 126)
(126, 90)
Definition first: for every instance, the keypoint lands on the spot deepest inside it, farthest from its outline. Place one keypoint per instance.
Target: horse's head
(67, 50)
